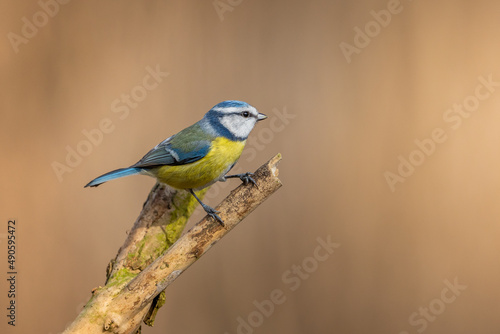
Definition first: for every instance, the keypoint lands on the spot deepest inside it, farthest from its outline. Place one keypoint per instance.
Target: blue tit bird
(199, 155)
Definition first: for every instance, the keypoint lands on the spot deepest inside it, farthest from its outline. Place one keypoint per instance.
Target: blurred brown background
(341, 122)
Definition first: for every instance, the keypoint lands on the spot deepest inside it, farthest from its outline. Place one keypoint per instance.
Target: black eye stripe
(222, 114)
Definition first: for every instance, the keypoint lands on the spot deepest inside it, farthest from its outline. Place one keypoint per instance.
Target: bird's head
(234, 118)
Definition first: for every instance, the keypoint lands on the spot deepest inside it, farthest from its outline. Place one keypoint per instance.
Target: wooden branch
(123, 303)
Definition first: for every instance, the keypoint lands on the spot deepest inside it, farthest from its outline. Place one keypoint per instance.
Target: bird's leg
(208, 209)
(246, 178)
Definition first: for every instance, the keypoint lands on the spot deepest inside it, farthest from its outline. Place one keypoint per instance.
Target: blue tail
(113, 175)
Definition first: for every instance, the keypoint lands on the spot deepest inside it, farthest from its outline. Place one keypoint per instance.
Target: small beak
(261, 117)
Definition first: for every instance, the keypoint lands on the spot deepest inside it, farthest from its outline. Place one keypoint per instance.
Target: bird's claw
(214, 214)
(247, 178)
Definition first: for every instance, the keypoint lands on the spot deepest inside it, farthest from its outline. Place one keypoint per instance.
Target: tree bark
(154, 253)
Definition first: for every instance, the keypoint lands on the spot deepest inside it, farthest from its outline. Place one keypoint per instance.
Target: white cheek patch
(237, 125)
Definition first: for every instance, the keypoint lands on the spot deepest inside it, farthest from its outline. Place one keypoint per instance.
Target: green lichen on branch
(121, 277)
(140, 258)
(184, 208)
(164, 232)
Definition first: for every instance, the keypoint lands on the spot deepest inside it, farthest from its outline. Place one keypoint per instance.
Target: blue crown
(231, 103)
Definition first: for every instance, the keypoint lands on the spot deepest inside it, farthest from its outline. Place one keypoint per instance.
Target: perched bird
(199, 155)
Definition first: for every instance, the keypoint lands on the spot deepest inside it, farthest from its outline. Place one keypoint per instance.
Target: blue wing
(165, 154)
(189, 145)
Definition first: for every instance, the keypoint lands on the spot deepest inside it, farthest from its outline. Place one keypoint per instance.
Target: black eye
(245, 114)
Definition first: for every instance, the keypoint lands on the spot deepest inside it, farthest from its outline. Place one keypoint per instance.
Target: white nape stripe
(234, 109)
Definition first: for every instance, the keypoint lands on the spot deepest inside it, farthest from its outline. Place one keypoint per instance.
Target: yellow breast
(222, 155)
